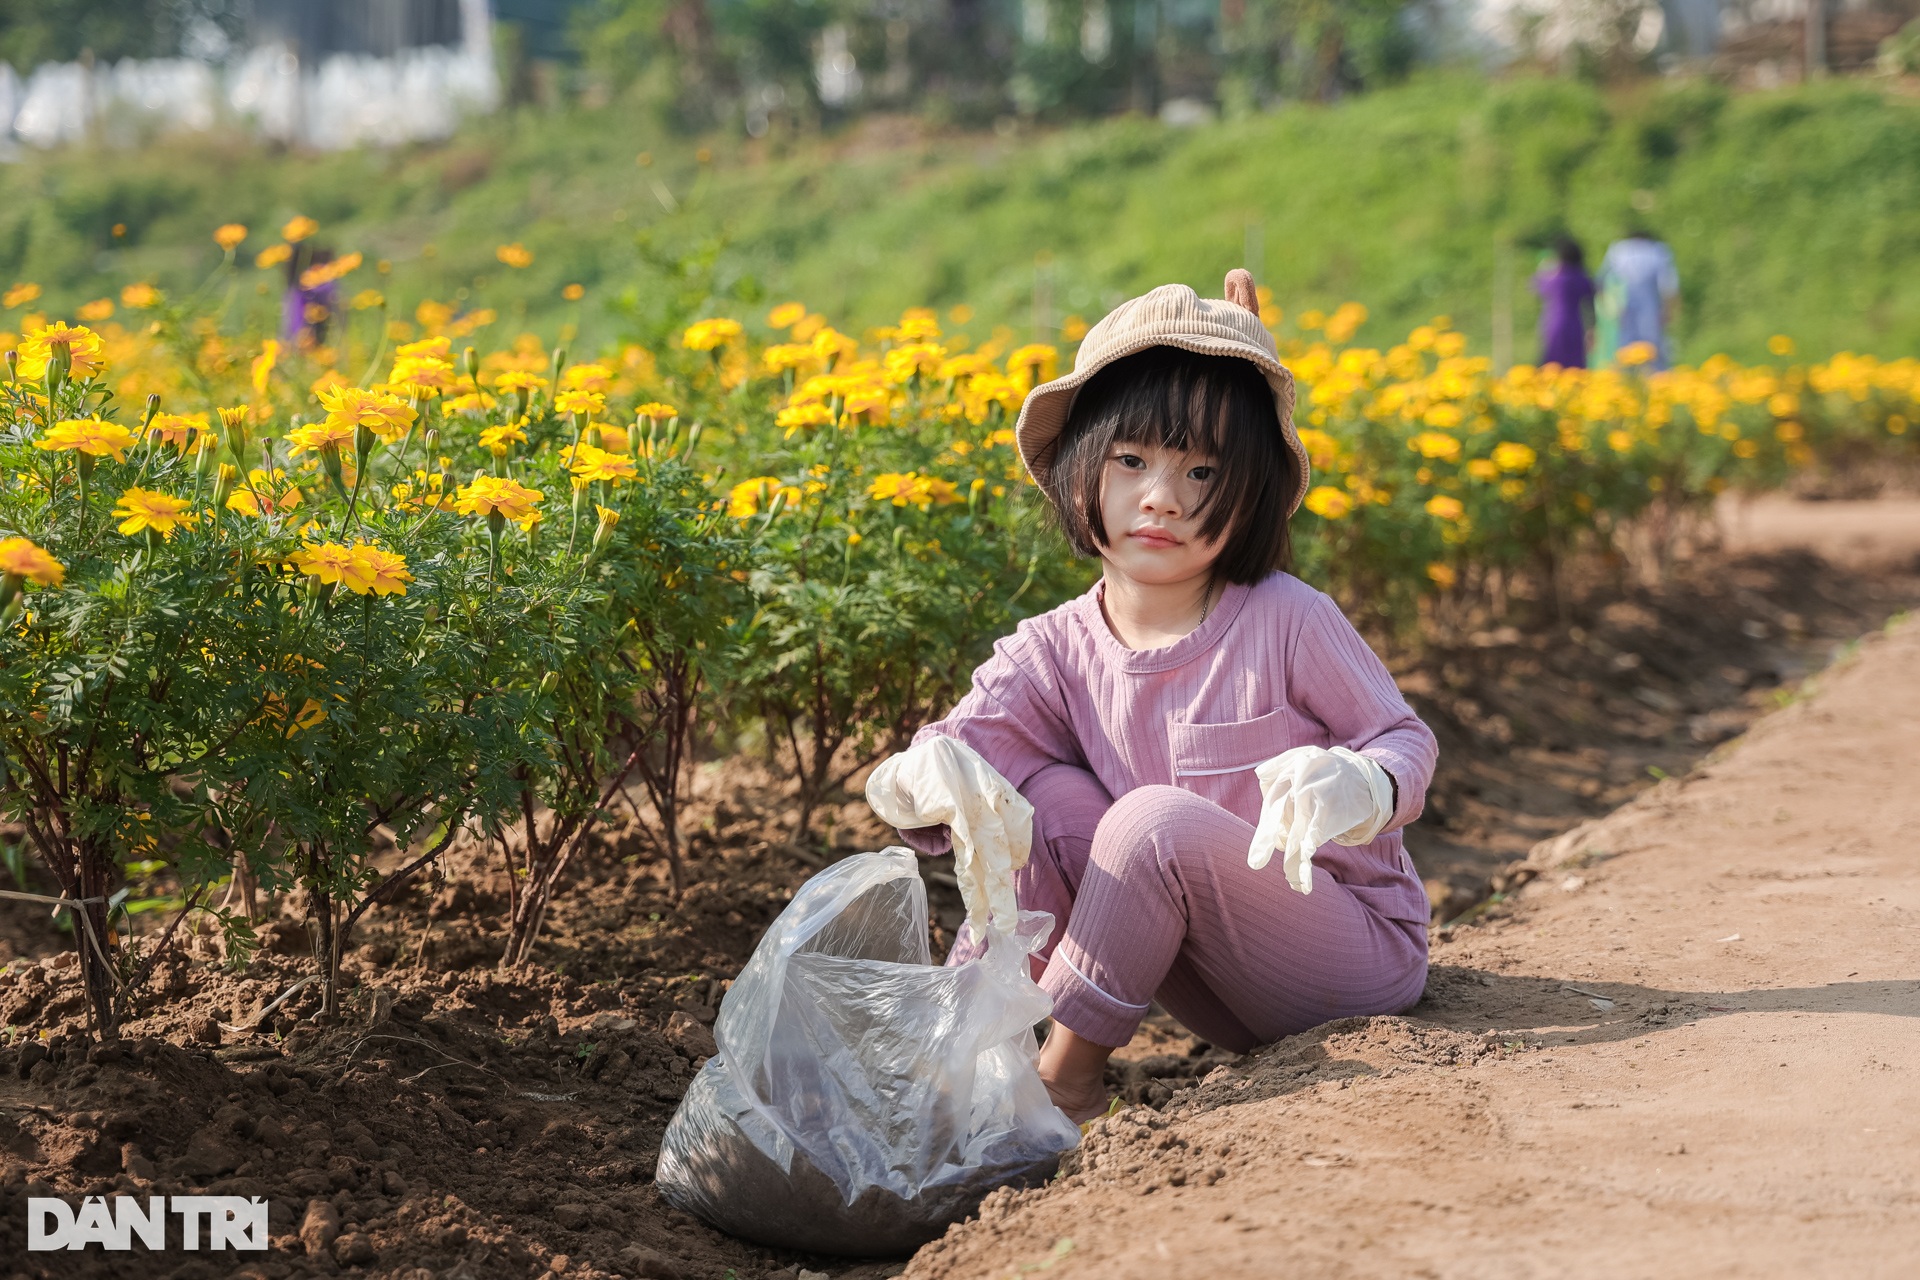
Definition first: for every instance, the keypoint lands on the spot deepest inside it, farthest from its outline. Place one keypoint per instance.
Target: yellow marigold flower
(596, 378)
(386, 415)
(1328, 502)
(87, 435)
(141, 509)
(1783, 405)
(966, 365)
(782, 356)
(706, 335)
(574, 292)
(19, 296)
(178, 429)
(299, 229)
(438, 347)
(515, 255)
(787, 315)
(1074, 328)
(903, 488)
(315, 436)
(1322, 449)
(22, 559)
(1788, 432)
(1620, 441)
(496, 440)
(327, 272)
(591, 463)
(1445, 415)
(81, 344)
(1037, 360)
(1780, 344)
(139, 296)
(575, 400)
(519, 380)
(263, 365)
(873, 399)
(272, 256)
(655, 411)
(368, 299)
(1483, 469)
(265, 492)
(1512, 490)
(97, 310)
(1745, 449)
(1635, 353)
(1435, 444)
(829, 344)
(328, 561)
(608, 516)
(229, 235)
(920, 359)
(1445, 508)
(425, 374)
(1442, 575)
(1345, 321)
(383, 572)
(490, 494)
(799, 416)
(744, 499)
(1509, 456)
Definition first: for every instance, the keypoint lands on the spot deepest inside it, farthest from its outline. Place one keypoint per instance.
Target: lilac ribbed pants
(1158, 902)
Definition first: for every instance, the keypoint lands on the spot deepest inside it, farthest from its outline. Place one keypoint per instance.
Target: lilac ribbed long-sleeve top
(1275, 666)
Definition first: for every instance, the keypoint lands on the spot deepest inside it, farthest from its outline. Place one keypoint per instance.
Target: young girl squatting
(1196, 694)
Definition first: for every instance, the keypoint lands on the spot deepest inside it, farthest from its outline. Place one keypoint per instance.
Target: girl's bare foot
(1074, 1069)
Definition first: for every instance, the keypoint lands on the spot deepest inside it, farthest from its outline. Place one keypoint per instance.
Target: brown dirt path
(1690, 1047)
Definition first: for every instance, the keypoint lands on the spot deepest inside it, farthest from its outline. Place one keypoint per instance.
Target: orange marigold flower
(23, 559)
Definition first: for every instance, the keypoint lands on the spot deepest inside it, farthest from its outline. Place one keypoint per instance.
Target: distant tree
(36, 31)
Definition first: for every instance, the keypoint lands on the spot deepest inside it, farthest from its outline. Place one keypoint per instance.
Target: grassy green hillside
(1790, 211)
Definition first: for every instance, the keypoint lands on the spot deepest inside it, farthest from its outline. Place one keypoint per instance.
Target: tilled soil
(455, 1121)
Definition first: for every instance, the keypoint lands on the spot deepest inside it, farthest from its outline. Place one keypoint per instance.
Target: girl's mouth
(1154, 537)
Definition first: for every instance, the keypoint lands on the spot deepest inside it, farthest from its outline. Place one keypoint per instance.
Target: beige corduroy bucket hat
(1171, 316)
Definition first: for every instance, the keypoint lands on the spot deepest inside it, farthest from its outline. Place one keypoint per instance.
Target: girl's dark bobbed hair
(1220, 406)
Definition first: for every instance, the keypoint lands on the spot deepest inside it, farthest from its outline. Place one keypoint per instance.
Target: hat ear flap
(1240, 289)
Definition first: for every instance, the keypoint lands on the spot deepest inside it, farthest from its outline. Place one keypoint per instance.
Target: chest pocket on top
(1217, 760)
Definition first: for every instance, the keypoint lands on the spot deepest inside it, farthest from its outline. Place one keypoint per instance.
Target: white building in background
(1765, 41)
(318, 73)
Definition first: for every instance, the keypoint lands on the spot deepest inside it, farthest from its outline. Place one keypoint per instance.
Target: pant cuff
(1085, 1009)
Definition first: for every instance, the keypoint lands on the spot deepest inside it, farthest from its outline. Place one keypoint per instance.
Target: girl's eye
(1132, 461)
(1200, 473)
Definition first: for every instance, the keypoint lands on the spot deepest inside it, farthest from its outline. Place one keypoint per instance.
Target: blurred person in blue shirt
(1640, 294)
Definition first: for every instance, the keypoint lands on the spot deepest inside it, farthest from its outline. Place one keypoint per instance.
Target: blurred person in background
(311, 299)
(1566, 306)
(1639, 278)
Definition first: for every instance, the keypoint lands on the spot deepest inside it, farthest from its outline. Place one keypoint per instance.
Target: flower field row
(285, 607)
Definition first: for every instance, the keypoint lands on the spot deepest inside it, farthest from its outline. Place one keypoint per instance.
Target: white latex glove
(1311, 795)
(943, 780)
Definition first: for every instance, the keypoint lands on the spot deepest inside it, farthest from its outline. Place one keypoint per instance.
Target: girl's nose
(1160, 497)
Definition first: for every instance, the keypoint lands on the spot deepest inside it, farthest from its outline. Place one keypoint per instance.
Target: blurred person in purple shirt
(307, 310)
(1566, 307)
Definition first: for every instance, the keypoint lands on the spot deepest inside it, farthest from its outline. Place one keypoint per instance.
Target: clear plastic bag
(863, 1099)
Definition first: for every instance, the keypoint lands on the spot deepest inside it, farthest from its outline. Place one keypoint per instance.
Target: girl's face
(1148, 494)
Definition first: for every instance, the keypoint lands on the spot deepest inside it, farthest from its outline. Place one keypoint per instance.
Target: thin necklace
(1206, 603)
